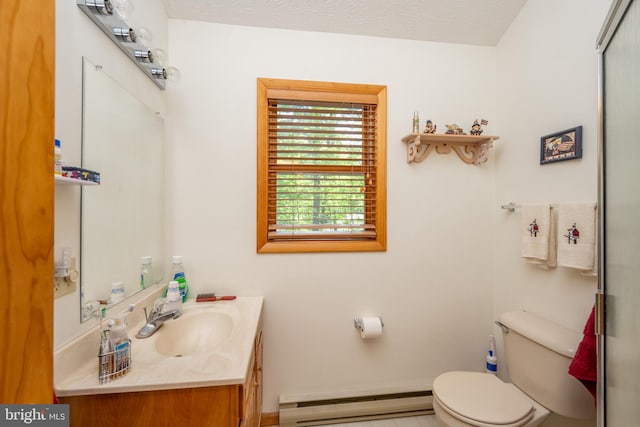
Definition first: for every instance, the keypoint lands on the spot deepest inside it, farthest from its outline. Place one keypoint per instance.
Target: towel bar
(512, 206)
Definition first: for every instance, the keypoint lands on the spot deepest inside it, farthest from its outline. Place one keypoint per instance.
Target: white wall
(547, 69)
(78, 36)
(433, 286)
(547, 82)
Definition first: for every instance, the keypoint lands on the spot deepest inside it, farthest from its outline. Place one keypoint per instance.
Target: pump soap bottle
(174, 299)
(177, 274)
(121, 344)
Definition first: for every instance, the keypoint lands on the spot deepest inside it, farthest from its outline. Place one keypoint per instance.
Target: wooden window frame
(319, 91)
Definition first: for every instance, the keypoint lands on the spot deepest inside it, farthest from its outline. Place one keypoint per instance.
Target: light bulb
(144, 36)
(124, 8)
(172, 74)
(159, 56)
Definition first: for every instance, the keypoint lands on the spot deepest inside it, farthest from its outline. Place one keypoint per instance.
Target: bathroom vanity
(215, 382)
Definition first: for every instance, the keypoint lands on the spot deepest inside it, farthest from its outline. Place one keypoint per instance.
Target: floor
(421, 421)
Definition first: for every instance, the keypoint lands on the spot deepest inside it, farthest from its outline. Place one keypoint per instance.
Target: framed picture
(565, 145)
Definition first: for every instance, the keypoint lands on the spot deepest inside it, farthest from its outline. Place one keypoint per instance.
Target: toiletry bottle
(416, 122)
(105, 358)
(146, 272)
(117, 292)
(492, 361)
(120, 344)
(57, 155)
(174, 298)
(177, 274)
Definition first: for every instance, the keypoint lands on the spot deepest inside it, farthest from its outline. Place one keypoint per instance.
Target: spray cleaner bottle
(492, 361)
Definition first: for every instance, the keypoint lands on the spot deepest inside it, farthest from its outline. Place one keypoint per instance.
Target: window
(321, 166)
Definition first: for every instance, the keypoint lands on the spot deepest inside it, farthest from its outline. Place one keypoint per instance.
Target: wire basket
(116, 363)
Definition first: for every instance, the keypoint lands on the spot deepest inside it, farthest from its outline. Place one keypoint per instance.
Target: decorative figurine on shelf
(430, 127)
(476, 128)
(454, 130)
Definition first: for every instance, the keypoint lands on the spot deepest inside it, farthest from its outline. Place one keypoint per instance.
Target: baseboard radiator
(314, 410)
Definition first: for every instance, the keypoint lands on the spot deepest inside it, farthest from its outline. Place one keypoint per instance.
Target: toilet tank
(538, 353)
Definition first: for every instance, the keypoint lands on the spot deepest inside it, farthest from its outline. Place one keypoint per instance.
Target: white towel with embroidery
(538, 235)
(577, 236)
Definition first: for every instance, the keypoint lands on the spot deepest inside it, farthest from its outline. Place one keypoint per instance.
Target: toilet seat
(481, 399)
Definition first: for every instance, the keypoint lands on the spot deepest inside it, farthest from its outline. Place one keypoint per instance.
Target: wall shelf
(472, 149)
(63, 180)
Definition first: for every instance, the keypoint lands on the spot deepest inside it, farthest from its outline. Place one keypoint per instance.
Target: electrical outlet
(68, 284)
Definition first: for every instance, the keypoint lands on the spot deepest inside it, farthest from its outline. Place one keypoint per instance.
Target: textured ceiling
(478, 22)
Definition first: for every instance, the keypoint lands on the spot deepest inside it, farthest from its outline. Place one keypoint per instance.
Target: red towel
(584, 365)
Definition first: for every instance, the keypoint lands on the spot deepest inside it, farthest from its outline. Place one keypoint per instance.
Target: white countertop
(76, 364)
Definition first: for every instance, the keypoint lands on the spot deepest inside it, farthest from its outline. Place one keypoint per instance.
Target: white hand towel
(577, 236)
(594, 271)
(538, 235)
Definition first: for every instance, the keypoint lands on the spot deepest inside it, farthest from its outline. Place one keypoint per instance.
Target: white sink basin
(193, 333)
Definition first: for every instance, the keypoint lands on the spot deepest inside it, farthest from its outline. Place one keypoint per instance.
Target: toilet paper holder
(357, 322)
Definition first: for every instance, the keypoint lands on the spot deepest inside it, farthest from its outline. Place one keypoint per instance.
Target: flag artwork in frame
(565, 145)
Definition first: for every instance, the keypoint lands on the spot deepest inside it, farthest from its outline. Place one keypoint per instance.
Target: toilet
(538, 354)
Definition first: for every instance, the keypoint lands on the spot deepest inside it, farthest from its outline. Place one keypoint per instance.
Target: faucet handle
(159, 303)
(159, 307)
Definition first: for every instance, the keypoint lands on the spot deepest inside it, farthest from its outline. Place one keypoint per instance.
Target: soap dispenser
(174, 299)
(121, 344)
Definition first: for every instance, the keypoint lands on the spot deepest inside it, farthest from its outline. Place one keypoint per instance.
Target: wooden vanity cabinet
(217, 406)
(251, 410)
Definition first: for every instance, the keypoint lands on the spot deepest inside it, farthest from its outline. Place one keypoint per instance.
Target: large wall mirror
(122, 218)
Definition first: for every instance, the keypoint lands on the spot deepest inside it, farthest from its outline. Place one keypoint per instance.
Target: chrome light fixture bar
(125, 34)
(102, 14)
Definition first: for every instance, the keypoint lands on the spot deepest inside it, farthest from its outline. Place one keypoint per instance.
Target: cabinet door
(252, 404)
(258, 379)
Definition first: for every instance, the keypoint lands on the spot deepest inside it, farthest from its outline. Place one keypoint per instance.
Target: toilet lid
(482, 397)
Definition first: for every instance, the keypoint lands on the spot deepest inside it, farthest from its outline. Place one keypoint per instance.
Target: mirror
(122, 218)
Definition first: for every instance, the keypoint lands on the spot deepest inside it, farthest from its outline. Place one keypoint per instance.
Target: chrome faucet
(156, 319)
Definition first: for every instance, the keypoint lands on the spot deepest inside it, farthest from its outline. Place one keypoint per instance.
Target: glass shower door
(621, 186)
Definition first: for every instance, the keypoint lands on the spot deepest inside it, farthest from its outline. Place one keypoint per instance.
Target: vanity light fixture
(106, 16)
(124, 34)
(169, 73)
(143, 55)
(103, 7)
(159, 73)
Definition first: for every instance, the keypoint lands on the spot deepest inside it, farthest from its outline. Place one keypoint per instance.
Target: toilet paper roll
(371, 328)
